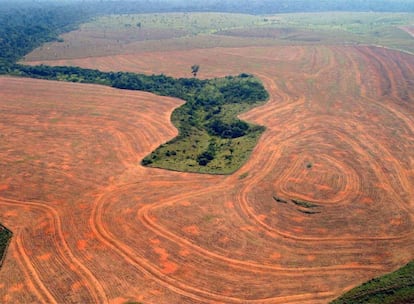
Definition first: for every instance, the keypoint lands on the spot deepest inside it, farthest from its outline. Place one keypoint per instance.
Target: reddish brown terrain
(409, 29)
(92, 225)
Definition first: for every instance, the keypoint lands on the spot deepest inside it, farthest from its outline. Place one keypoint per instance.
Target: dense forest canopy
(22, 29)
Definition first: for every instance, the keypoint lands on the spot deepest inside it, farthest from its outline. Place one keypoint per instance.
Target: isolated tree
(194, 69)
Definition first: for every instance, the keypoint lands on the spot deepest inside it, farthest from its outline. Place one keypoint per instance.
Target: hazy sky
(254, 6)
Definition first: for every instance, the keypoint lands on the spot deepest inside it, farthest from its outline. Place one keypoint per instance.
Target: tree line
(205, 99)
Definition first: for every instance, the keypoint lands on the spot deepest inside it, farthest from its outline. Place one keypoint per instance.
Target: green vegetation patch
(304, 204)
(393, 288)
(301, 206)
(211, 138)
(5, 236)
(280, 200)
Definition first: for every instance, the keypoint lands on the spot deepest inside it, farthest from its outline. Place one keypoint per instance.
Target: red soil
(409, 29)
(118, 231)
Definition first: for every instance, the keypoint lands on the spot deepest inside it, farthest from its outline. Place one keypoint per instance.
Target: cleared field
(337, 154)
(134, 34)
(123, 34)
(409, 30)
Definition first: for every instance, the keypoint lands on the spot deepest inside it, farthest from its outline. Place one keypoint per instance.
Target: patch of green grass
(279, 199)
(305, 207)
(32, 157)
(304, 204)
(244, 175)
(182, 154)
(308, 212)
(209, 217)
(5, 236)
(394, 288)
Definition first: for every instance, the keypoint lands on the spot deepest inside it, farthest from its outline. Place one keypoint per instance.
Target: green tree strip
(394, 288)
(5, 236)
(211, 138)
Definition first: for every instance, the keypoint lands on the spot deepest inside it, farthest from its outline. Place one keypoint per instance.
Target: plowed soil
(92, 225)
(409, 30)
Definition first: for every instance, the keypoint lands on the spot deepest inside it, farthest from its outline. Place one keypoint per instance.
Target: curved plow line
(384, 178)
(273, 89)
(325, 68)
(352, 188)
(173, 284)
(403, 179)
(146, 220)
(402, 117)
(36, 284)
(250, 214)
(289, 172)
(157, 229)
(99, 294)
(143, 214)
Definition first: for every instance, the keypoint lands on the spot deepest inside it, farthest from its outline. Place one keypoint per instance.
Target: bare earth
(93, 226)
(409, 29)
